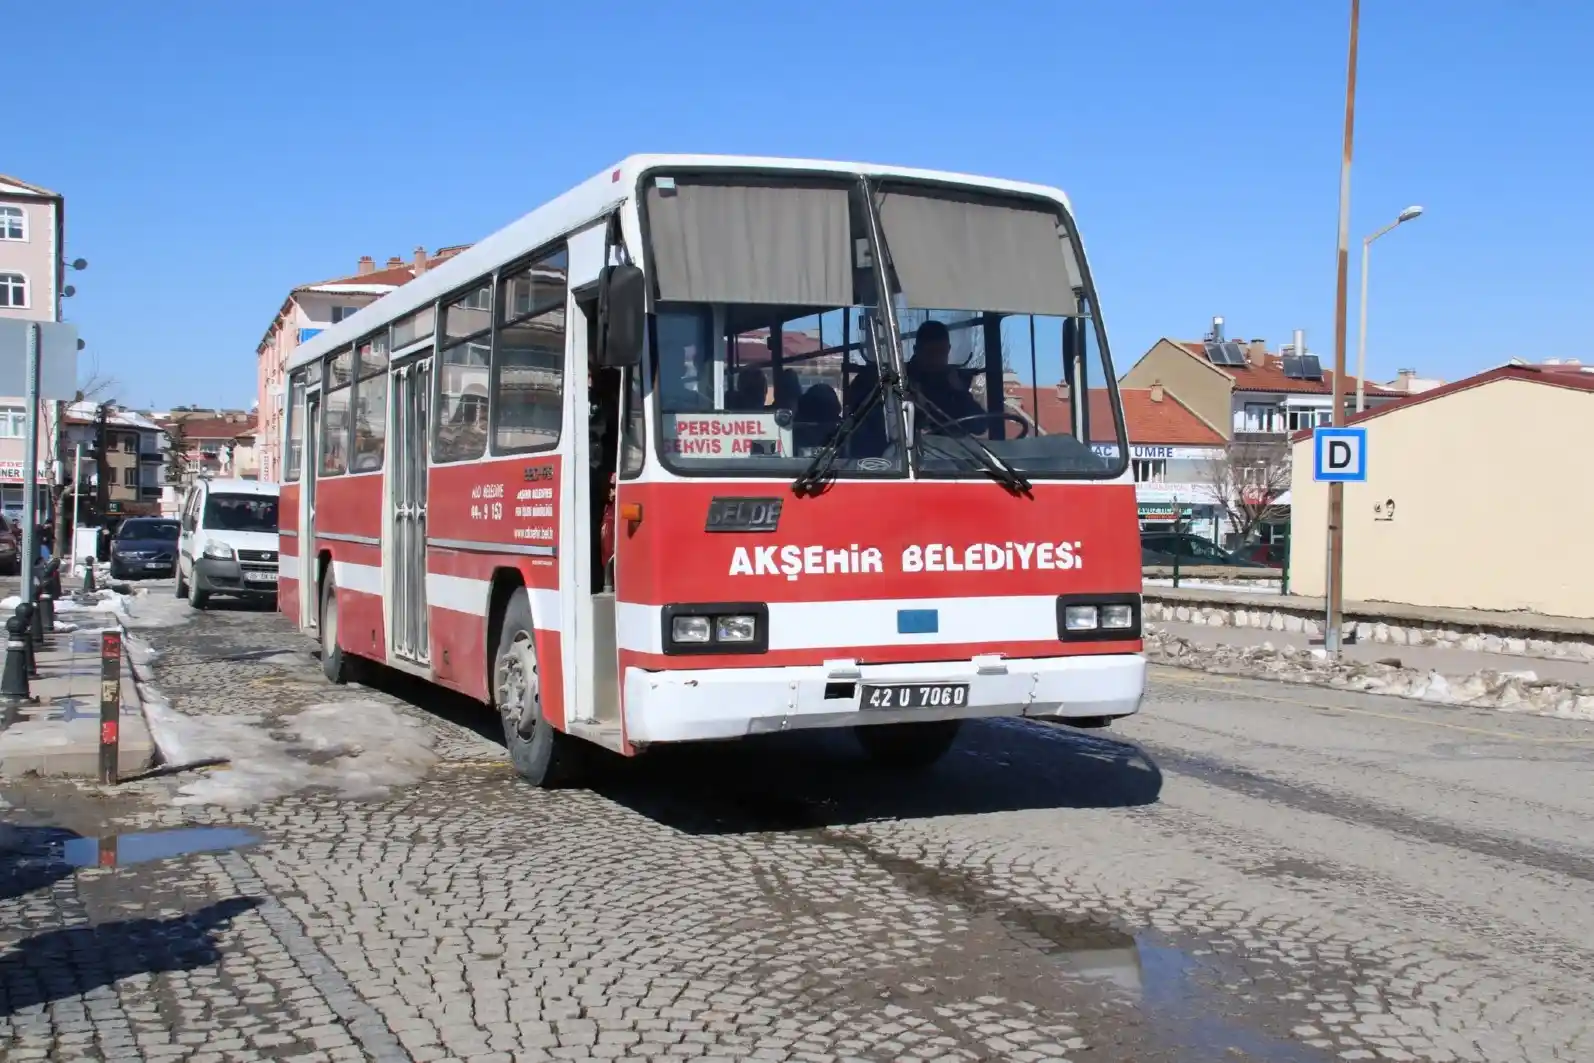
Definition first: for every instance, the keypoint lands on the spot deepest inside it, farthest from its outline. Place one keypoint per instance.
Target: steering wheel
(1004, 416)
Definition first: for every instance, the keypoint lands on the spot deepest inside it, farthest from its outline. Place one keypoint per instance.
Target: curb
(140, 677)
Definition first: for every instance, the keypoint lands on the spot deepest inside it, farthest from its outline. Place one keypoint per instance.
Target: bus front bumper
(716, 703)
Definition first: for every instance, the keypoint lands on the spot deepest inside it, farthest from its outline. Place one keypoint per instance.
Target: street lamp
(1409, 214)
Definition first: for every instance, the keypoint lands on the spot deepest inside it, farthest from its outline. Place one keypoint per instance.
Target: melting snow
(359, 749)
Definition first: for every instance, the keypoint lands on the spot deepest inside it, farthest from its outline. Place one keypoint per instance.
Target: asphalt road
(1246, 871)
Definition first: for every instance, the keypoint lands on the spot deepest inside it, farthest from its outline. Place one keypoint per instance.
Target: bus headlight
(733, 627)
(1102, 617)
(689, 629)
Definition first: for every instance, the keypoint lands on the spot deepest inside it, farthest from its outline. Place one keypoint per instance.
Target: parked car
(10, 555)
(228, 543)
(1160, 548)
(145, 546)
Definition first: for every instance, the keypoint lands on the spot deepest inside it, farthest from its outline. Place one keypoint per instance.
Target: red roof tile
(1269, 376)
(1559, 376)
(1167, 422)
(394, 275)
(198, 428)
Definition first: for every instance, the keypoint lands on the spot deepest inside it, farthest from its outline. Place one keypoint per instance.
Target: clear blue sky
(215, 154)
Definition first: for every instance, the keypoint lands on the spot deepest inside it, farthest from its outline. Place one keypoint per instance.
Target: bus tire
(907, 746)
(542, 754)
(335, 664)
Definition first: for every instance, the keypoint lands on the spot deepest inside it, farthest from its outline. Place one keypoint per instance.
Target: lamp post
(1406, 215)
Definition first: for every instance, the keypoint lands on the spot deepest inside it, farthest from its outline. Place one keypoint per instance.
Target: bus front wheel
(542, 754)
(907, 746)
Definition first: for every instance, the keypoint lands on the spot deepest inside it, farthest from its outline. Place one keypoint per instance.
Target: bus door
(592, 705)
(410, 396)
(309, 591)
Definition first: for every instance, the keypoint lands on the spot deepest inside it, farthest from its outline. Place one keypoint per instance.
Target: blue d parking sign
(1339, 455)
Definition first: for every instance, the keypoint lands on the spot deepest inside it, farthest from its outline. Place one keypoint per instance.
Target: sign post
(29, 546)
(1339, 457)
(1336, 488)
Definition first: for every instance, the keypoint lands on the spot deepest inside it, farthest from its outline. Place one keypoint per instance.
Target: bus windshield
(769, 340)
(766, 338)
(998, 337)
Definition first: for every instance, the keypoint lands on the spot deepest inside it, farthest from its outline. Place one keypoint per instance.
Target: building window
(13, 422)
(1151, 470)
(129, 477)
(341, 312)
(1301, 419)
(13, 291)
(529, 357)
(13, 223)
(1262, 417)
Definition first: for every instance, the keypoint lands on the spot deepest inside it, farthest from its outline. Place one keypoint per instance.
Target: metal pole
(77, 472)
(1361, 333)
(30, 468)
(110, 705)
(1336, 491)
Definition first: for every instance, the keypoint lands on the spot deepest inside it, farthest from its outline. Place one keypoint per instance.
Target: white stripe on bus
(870, 622)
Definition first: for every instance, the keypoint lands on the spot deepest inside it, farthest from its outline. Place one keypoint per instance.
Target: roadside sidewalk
(1450, 662)
(60, 734)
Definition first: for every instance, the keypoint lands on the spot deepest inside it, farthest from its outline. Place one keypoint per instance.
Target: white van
(228, 543)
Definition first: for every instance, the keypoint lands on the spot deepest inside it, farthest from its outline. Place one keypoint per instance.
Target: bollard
(47, 612)
(36, 623)
(14, 683)
(88, 576)
(26, 610)
(54, 569)
(110, 704)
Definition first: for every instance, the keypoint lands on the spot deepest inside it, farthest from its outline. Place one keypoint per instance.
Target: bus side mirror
(623, 305)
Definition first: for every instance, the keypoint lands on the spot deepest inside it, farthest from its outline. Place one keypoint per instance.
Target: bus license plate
(916, 696)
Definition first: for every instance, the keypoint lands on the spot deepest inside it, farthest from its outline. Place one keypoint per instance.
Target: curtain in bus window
(956, 253)
(751, 244)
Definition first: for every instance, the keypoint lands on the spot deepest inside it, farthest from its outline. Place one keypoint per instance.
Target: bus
(709, 447)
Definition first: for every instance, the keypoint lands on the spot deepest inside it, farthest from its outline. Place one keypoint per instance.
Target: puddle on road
(1166, 985)
(121, 850)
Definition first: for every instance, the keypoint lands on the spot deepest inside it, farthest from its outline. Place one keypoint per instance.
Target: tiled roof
(393, 275)
(199, 428)
(1269, 376)
(1559, 376)
(1167, 422)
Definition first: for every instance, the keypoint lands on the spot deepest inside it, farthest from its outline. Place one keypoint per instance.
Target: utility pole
(1332, 634)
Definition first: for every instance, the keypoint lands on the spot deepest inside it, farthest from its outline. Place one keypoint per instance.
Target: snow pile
(141, 652)
(358, 749)
(145, 610)
(1521, 691)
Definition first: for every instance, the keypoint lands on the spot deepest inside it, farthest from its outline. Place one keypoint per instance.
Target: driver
(933, 380)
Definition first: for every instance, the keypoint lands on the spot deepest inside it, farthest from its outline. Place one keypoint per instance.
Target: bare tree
(177, 458)
(1245, 484)
(97, 386)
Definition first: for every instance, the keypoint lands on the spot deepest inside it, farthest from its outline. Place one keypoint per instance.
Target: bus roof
(587, 202)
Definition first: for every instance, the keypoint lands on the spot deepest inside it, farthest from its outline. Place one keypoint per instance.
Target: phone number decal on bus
(794, 562)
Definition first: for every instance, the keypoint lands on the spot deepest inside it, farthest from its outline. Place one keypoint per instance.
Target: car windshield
(164, 530)
(241, 513)
(765, 338)
(999, 337)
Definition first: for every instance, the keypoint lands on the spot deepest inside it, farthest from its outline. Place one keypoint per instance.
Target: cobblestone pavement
(1245, 872)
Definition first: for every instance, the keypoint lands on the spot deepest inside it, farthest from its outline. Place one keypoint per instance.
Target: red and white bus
(716, 446)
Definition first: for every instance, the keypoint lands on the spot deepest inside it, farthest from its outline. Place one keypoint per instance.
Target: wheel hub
(516, 689)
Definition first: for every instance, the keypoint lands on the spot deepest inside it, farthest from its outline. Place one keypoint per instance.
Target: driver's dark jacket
(950, 401)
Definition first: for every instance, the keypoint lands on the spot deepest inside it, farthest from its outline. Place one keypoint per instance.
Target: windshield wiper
(813, 478)
(999, 469)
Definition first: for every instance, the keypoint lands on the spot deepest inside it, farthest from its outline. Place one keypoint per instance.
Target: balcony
(150, 455)
(1278, 435)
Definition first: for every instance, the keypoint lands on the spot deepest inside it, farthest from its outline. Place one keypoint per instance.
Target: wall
(34, 257)
(1491, 504)
(1194, 383)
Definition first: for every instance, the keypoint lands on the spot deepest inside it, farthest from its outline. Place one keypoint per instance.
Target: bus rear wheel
(907, 746)
(542, 754)
(335, 664)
